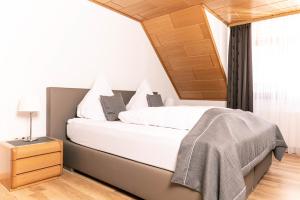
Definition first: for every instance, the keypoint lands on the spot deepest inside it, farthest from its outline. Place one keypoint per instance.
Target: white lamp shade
(29, 104)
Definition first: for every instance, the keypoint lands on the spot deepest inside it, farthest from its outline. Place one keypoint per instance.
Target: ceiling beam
(265, 18)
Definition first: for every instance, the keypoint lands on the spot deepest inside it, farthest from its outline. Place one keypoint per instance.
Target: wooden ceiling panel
(208, 74)
(147, 9)
(181, 36)
(204, 94)
(199, 48)
(231, 12)
(184, 43)
(170, 51)
(234, 12)
(210, 85)
(182, 76)
(195, 62)
(187, 17)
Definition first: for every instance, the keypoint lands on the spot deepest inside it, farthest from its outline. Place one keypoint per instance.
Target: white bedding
(177, 117)
(150, 145)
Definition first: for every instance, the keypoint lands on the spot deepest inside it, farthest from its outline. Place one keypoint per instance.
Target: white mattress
(156, 146)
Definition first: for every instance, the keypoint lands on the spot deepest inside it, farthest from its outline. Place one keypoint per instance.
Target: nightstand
(23, 163)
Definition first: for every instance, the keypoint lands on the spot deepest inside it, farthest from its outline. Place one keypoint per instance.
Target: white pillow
(90, 107)
(139, 99)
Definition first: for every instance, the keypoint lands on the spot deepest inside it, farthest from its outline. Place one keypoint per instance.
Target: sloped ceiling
(147, 9)
(234, 12)
(186, 48)
(180, 34)
(231, 12)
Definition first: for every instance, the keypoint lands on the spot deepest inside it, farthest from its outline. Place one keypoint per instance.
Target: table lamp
(29, 105)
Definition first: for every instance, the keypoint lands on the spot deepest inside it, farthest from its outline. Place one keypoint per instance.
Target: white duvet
(177, 117)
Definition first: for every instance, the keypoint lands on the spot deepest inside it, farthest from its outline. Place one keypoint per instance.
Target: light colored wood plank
(5, 164)
(231, 12)
(208, 74)
(34, 176)
(181, 27)
(236, 12)
(187, 17)
(185, 45)
(147, 9)
(37, 162)
(70, 186)
(26, 164)
(265, 18)
(35, 149)
(281, 182)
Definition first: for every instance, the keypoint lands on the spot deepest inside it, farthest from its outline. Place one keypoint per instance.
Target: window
(276, 75)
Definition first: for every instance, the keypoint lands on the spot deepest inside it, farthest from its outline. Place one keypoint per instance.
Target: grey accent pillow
(154, 100)
(112, 106)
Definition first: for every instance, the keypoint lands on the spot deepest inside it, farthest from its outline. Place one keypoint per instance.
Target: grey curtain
(240, 81)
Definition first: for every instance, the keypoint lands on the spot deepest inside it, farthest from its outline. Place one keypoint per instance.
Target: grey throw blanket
(221, 149)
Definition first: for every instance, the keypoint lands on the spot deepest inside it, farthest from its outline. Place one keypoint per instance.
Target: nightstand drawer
(35, 176)
(36, 149)
(37, 162)
(23, 163)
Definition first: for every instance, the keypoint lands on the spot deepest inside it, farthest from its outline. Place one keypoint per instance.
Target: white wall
(221, 36)
(67, 43)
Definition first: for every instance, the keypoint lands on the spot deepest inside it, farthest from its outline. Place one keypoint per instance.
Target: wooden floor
(282, 182)
(71, 186)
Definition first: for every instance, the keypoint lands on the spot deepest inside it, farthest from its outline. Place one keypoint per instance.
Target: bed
(135, 142)
(147, 179)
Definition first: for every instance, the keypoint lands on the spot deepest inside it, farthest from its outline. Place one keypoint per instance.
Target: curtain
(240, 82)
(276, 73)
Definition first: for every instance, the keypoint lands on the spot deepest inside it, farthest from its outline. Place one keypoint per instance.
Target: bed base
(139, 179)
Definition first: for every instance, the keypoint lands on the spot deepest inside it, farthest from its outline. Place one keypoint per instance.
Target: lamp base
(29, 139)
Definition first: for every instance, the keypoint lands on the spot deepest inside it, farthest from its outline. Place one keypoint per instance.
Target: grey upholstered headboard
(62, 105)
